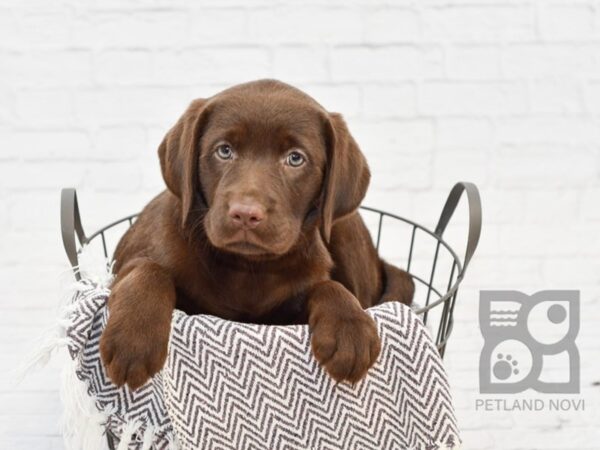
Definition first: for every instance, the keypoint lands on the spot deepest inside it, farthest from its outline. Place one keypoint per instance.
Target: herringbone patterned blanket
(229, 385)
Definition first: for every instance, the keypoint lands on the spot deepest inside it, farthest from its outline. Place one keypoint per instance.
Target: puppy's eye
(224, 151)
(295, 159)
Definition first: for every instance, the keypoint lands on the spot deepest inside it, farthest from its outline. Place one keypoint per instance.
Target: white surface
(505, 94)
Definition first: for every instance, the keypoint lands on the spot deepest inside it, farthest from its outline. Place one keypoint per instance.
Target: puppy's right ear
(179, 158)
(346, 177)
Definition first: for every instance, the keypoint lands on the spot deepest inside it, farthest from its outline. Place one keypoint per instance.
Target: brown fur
(302, 254)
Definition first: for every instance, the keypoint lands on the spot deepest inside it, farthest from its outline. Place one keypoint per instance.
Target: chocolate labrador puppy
(258, 224)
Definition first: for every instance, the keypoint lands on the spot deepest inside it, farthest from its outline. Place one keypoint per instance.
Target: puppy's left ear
(346, 176)
(179, 158)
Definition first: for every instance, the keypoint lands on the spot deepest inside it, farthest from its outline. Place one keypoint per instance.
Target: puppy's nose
(246, 215)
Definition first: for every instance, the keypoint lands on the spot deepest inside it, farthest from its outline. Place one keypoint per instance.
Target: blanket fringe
(83, 425)
(55, 336)
(128, 433)
(51, 340)
(148, 437)
(173, 444)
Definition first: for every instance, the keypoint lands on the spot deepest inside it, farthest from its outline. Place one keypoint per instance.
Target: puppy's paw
(346, 345)
(130, 356)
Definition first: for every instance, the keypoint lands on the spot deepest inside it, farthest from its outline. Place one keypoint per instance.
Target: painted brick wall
(502, 93)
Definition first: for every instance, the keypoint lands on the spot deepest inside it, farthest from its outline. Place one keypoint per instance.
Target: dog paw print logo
(529, 342)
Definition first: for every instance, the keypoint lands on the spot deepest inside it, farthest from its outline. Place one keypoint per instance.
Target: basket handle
(474, 216)
(70, 225)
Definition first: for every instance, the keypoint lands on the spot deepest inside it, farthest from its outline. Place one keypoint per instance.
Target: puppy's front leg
(344, 336)
(134, 343)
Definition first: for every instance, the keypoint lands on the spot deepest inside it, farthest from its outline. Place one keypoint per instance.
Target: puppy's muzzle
(246, 215)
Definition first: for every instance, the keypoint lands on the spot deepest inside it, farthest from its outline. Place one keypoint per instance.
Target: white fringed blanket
(229, 385)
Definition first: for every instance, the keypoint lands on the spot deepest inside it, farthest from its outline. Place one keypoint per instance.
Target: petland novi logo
(529, 343)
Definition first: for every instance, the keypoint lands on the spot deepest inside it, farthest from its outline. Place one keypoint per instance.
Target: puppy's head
(262, 163)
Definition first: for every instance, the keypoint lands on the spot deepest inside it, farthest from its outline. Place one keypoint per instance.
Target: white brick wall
(503, 93)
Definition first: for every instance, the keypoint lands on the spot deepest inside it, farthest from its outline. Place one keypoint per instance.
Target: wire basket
(436, 291)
